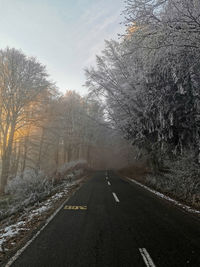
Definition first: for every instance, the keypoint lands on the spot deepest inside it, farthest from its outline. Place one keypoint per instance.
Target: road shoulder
(34, 223)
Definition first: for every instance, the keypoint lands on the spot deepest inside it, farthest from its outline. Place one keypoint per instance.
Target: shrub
(29, 187)
(71, 169)
(182, 181)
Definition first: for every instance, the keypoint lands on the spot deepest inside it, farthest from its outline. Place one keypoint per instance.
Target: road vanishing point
(112, 222)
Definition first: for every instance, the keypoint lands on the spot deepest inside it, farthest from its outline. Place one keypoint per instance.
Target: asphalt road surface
(110, 222)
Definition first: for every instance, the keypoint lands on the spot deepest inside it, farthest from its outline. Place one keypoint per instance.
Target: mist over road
(110, 222)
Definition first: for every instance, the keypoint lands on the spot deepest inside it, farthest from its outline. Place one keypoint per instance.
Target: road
(119, 224)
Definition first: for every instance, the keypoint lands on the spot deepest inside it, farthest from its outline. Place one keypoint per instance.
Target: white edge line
(115, 197)
(146, 257)
(19, 252)
(185, 207)
(109, 183)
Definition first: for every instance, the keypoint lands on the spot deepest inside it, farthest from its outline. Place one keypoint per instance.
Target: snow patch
(11, 231)
(14, 229)
(24, 221)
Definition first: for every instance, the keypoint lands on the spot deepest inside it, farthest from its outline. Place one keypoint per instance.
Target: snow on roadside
(15, 229)
(11, 231)
(177, 203)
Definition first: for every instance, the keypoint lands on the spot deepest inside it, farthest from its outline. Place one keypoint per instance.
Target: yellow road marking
(75, 207)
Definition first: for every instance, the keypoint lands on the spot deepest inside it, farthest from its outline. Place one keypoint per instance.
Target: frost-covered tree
(150, 79)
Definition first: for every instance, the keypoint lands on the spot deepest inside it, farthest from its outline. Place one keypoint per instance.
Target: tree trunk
(25, 153)
(64, 153)
(40, 150)
(88, 155)
(69, 154)
(15, 160)
(6, 160)
(57, 154)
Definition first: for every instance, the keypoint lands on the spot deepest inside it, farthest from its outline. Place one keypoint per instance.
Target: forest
(139, 122)
(150, 83)
(41, 129)
(143, 105)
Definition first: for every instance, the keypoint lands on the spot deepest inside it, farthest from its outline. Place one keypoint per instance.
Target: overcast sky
(65, 35)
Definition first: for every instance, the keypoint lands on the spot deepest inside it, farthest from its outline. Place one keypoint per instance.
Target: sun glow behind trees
(41, 129)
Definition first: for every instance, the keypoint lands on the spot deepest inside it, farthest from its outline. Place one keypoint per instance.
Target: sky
(65, 35)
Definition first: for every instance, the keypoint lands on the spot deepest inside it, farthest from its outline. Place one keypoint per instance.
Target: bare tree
(22, 80)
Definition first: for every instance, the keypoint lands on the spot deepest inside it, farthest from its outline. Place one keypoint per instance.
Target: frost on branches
(150, 79)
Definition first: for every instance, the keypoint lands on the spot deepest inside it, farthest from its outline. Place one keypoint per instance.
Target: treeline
(150, 79)
(41, 129)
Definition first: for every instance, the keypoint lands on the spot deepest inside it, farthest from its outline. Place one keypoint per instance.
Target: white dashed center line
(115, 197)
(109, 183)
(146, 257)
